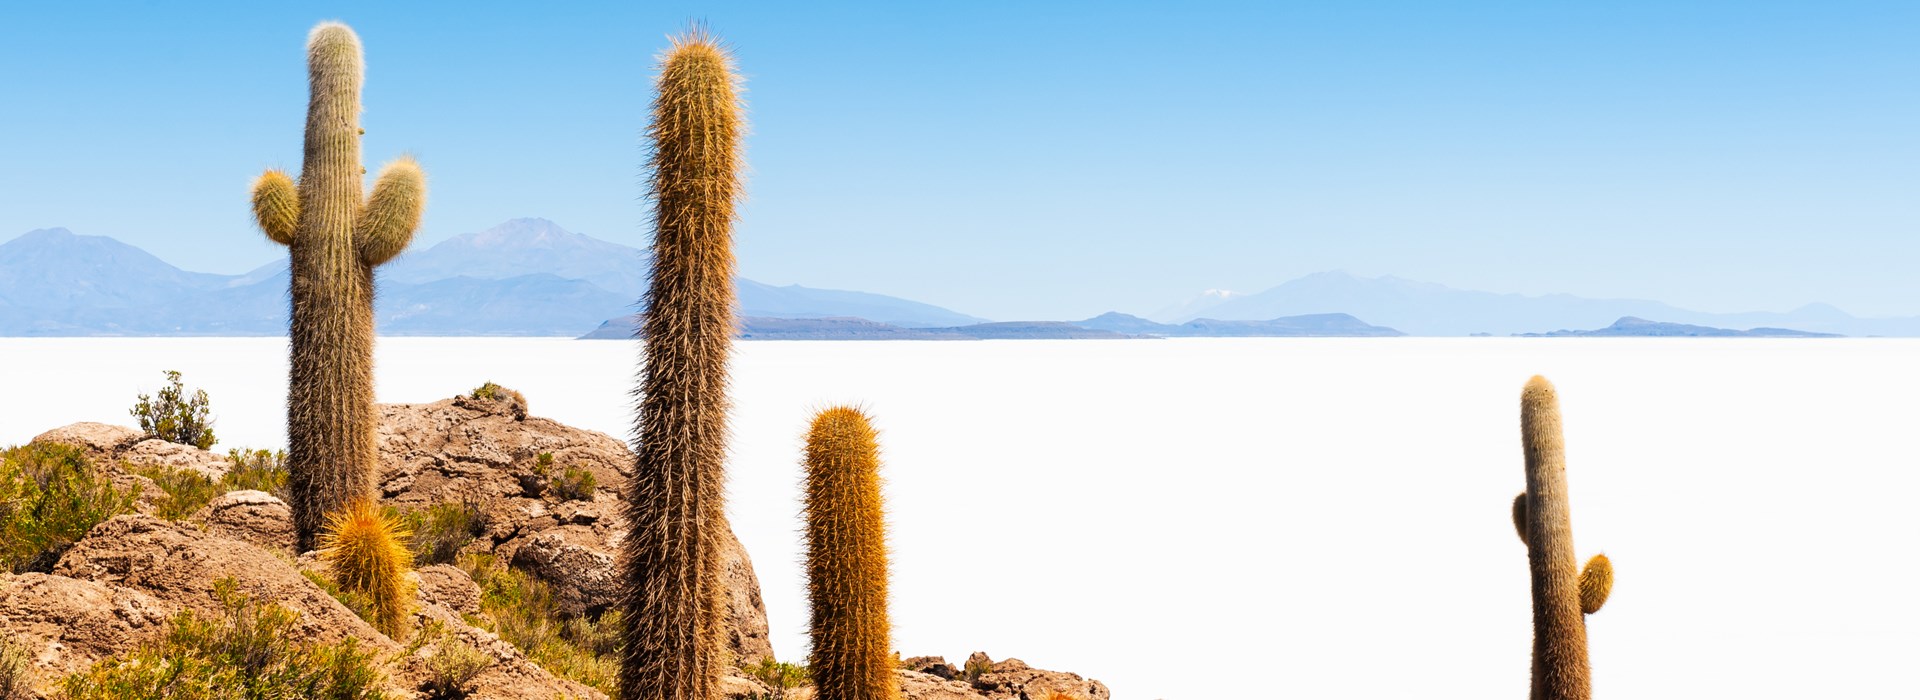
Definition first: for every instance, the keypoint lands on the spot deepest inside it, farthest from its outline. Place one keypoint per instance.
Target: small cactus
(335, 235)
(367, 553)
(676, 501)
(1563, 594)
(847, 560)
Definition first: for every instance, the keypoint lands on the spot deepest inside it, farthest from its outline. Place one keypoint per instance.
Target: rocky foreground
(126, 580)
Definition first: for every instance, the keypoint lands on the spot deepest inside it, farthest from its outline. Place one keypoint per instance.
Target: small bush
(16, 672)
(170, 418)
(489, 391)
(574, 485)
(452, 669)
(521, 610)
(976, 668)
(49, 498)
(358, 603)
(186, 491)
(779, 676)
(246, 652)
(440, 531)
(257, 470)
(366, 553)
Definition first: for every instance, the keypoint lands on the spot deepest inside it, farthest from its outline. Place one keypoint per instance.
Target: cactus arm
(1596, 583)
(392, 213)
(276, 206)
(1520, 516)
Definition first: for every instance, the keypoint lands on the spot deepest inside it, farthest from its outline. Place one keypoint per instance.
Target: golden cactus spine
(847, 560)
(1563, 593)
(674, 642)
(335, 235)
(366, 553)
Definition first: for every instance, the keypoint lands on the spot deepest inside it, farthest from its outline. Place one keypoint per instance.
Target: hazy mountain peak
(524, 233)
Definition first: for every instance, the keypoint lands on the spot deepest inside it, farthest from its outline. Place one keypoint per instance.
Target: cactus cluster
(1563, 593)
(675, 507)
(673, 649)
(335, 234)
(847, 560)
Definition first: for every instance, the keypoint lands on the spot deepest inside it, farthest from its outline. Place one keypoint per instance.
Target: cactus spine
(847, 560)
(1562, 593)
(675, 507)
(335, 235)
(366, 553)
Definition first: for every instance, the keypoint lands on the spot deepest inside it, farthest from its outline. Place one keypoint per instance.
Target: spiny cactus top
(335, 233)
(674, 644)
(1563, 593)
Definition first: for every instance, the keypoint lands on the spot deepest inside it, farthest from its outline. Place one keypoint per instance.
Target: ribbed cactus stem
(1560, 667)
(674, 644)
(334, 235)
(847, 560)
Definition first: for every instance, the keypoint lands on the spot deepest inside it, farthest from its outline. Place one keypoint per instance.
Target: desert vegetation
(335, 236)
(1563, 594)
(50, 496)
(847, 560)
(246, 653)
(675, 503)
(174, 416)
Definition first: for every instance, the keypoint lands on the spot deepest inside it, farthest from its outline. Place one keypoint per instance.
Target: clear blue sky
(1020, 161)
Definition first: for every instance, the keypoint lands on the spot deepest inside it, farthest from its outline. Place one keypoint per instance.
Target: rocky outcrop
(66, 624)
(256, 517)
(489, 451)
(1013, 679)
(178, 564)
(932, 678)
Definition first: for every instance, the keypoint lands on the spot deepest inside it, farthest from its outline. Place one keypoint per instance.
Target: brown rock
(932, 665)
(66, 625)
(256, 517)
(155, 452)
(923, 686)
(1013, 679)
(450, 588)
(102, 442)
(178, 564)
(484, 450)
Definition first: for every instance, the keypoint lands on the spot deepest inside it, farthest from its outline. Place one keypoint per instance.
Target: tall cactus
(675, 507)
(847, 560)
(1563, 595)
(335, 234)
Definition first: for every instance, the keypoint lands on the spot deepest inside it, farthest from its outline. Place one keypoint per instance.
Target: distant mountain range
(1422, 308)
(1631, 327)
(525, 277)
(530, 277)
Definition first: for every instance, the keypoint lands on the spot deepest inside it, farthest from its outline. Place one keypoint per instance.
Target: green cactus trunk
(674, 644)
(1563, 593)
(847, 560)
(335, 236)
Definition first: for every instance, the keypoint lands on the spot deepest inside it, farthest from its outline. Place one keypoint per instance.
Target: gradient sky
(1012, 160)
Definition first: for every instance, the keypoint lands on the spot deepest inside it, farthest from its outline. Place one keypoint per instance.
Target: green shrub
(574, 485)
(257, 470)
(442, 529)
(170, 418)
(489, 390)
(49, 498)
(976, 668)
(186, 491)
(780, 676)
(452, 668)
(246, 652)
(16, 671)
(360, 604)
(521, 610)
